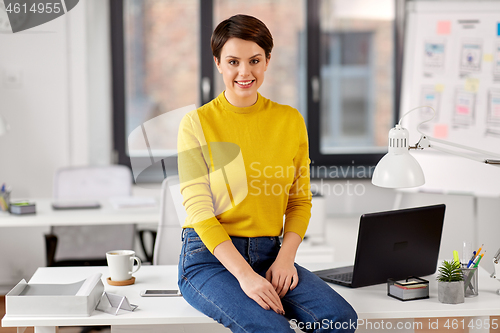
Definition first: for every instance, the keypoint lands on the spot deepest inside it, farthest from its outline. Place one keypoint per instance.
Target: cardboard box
(74, 299)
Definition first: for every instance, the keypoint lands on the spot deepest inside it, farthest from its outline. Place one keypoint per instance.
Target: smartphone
(161, 293)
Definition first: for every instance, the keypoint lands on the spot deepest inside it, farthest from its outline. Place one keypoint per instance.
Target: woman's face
(242, 65)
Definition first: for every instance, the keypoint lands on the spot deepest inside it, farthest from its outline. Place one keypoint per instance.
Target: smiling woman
(242, 67)
(233, 266)
(242, 56)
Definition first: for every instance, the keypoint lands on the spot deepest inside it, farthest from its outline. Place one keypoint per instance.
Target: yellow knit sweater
(243, 169)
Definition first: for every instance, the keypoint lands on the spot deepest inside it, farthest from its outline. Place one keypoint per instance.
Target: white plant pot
(451, 292)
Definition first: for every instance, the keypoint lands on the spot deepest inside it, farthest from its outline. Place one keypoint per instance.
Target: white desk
(46, 216)
(151, 310)
(26, 258)
(371, 303)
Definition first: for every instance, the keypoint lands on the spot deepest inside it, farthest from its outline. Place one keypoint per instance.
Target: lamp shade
(398, 168)
(4, 127)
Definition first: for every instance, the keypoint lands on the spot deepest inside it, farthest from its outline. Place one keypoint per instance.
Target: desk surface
(369, 302)
(46, 216)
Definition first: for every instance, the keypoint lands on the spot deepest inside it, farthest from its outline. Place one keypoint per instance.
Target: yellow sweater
(243, 169)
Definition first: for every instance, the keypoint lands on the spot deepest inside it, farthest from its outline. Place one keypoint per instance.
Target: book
(413, 288)
(20, 208)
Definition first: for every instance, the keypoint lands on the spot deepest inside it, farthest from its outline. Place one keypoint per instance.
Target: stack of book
(412, 288)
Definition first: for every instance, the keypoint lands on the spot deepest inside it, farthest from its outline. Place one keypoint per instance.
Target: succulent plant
(450, 271)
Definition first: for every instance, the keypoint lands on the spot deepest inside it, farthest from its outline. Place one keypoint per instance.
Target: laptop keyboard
(343, 277)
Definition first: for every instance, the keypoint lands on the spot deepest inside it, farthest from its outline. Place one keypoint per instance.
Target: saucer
(121, 283)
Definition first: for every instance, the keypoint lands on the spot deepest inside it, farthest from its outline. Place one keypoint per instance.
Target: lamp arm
(425, 142)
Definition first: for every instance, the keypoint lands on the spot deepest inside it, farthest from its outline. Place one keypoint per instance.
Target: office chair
(168, 243)
(87, 245)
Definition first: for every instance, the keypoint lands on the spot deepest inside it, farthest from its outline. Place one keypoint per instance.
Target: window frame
(351, 163)
(319, 162)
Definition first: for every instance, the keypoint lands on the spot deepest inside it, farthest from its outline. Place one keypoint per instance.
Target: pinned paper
(471, 84)
(462, 110)
(488, 57)
(439, 88)
(441, 131)
(444, 27)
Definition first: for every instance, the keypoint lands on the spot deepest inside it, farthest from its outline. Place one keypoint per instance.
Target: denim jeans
(313, 306)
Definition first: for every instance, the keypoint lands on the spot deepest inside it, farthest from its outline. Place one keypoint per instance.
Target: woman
(243, 165)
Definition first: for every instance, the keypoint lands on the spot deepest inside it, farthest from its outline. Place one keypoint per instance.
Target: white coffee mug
(121, 264)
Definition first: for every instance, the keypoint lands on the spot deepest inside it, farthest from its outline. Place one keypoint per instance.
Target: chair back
(172, 216)
(92, 183)
(95, 182)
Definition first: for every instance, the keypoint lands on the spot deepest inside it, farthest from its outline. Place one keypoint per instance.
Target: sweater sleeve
(195, 184)
(298, 210)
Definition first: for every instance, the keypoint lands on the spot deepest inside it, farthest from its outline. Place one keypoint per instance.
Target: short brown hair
(244, 27)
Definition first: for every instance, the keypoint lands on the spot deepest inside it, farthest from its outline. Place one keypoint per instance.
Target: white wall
(59, 114)
(37, 109)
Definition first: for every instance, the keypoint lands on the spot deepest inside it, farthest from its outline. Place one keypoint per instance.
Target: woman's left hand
(283, 276)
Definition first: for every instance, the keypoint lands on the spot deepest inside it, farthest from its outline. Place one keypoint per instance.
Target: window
(286, 21)
(334, 60)
(352, 72)
(161, 59)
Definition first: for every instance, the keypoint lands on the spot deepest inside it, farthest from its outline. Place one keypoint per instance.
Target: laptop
(394, 244)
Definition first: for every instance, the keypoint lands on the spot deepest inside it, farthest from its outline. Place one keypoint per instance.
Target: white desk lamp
(4, 126)
(398, 169)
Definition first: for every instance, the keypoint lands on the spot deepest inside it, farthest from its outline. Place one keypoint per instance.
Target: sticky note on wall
(498, 29)
(441, 131)
(471, 84)
(488, 57)
(443, 27)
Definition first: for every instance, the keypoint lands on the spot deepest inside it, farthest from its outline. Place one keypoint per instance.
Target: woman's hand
(283, 276)
(253, 285)
(262, 292)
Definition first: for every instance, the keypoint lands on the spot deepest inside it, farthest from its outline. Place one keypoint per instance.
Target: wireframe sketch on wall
(470, 59)
(452, 64)
(434, 55)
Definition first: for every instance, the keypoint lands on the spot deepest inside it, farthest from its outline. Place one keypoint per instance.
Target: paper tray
(74, 299)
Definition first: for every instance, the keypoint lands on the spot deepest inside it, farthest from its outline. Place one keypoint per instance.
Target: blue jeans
(313, 306)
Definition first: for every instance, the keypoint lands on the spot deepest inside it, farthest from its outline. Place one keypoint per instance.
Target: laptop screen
(398, 244)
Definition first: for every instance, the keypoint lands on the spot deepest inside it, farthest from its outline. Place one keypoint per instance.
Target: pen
(478, 260)
(474, 262)
(479, 251)
(3, 187)
(471, 259)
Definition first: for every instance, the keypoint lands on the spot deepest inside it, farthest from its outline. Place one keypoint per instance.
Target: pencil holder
(470, 282)
(4, 201)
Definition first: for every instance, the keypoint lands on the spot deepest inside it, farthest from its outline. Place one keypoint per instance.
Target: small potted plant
(450, 283)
